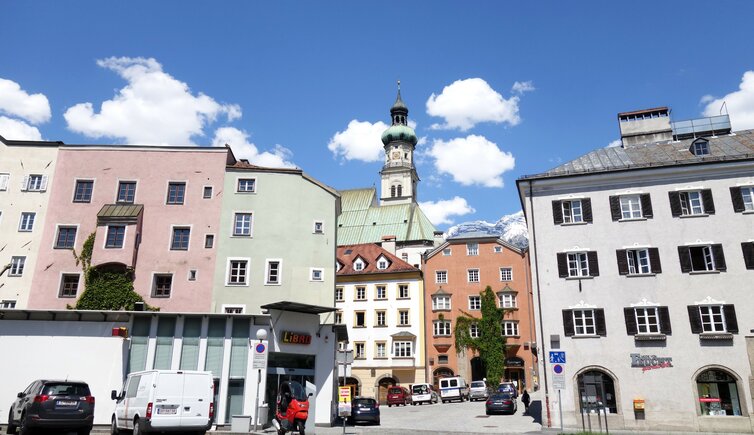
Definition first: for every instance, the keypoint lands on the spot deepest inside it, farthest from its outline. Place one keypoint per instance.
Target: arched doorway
(478, 370)
(442, 372)
(383, 384)
(354, 384)
(597, 391)
(717, 393)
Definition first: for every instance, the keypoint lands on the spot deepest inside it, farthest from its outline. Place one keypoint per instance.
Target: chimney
(438, 238)
(388, 244)
(645, 126)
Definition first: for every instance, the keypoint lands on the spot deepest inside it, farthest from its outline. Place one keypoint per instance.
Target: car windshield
(65, 389)
(394, 391)
(477, 384)
(363, 403)
(420, 389)
(297, 391)
(501, 396)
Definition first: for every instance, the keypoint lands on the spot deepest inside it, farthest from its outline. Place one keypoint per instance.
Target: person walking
(525, 399)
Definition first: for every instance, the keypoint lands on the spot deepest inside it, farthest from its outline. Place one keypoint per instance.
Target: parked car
(398, 396)
(164, 400)
(365, 410)
(423, 393)
(508, 387)
(479, 390)
(53, 404)
(453, 388)
(501, 402)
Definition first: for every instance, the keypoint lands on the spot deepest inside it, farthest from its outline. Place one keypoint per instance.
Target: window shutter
(594, 267)
(24, 183)
(557, 212)
(615, 208)
(599, 322)
(620, 255)
(675, 203)
(685, 258)
(654, 260)
(43, 186)
(709, 204)
(664, 314)
(586, 205)
(731, 323)
(717, 254)
(563, 265)
(631, 328)
(568, 323)
(735, 196)
(646, 206)
(748, 249)
(695, 319)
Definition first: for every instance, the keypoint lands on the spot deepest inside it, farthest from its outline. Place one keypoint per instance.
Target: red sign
(296, 338)
(708, 399)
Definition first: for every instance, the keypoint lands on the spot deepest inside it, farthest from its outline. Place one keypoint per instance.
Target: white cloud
(18, 130)
(472, 160)
(238, 140)
(361, 140)
(615, 143)
(439, 212)
(154, 108)
(15, 101)
(521, 87)
(740, 104)
(466, 103)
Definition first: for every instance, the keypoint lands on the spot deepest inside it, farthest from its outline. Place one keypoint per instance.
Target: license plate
(66, 403)
(365, 409)
(166, 410)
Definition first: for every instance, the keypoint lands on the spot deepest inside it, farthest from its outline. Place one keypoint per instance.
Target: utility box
(240, 423)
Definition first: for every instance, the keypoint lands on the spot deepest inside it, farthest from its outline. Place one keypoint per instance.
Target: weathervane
(399, 85)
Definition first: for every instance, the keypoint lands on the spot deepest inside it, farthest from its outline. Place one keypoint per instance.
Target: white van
(454, 388)
(423, 393)
(164, 400)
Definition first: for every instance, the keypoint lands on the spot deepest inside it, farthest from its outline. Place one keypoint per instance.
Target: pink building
(155, 211)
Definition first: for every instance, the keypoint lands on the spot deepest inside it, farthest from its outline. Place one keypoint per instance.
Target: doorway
(382, 386)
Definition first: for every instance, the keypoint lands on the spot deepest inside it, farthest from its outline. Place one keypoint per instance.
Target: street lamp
(261, 336)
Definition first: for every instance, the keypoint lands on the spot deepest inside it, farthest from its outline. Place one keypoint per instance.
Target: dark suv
(53, 404)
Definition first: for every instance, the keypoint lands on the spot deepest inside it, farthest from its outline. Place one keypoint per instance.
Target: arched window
(597, 392)
(392, 191)
(400, 190)
(717, 393)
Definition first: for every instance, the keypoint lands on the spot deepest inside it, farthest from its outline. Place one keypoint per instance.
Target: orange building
(455, 273)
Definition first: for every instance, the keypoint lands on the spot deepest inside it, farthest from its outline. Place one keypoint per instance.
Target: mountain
(511, 228)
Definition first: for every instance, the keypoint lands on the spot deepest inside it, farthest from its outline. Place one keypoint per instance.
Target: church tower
(399, 178)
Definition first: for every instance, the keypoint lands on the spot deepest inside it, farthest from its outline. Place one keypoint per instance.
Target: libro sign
(296, 338)
(650, 362)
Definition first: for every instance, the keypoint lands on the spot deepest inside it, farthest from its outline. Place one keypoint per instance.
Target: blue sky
(496, 89)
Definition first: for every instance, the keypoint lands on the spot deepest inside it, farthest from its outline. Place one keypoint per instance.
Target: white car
(164, 401)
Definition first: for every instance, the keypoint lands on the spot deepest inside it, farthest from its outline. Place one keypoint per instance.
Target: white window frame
(360, 293)
(709, 258)
(573, 211)
(509, 328)
(408, 317)
(117, 191)
(30, 186)
(153, 292)
(441, 328)
(638, 261)
(176, 183)
(316, 274)
(473, 273)
(4, 181)
(253, 181)
(630, 207)
(63, 275)
(497, 249)
(377, 314)
(506, 274)
(26, 223)
(125, 236)
(356, 317)
(172, 237)
(244, 231)
(17, 265)
(474, 331)
(377, 292)
(715, 315)
(358, 265)
(228, 272)
(267, 269)
(359, 350)
(380, 349)
(75, 190)
(647, 320)
(211, 191)
(691, 203)
(382, 263)
(441, 276)
(58, 227)
(578, 264)
(747, 196)
(477, 304)
(339, 294)
(584, 320)
(472, 248)
(403, 349)
(193, 275)
(318, 227)
(6, 304)
(209, 238)
(507, 300)
(441, 302)
(401, 287)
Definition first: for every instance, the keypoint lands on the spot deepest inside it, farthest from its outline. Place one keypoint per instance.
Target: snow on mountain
(511, 228)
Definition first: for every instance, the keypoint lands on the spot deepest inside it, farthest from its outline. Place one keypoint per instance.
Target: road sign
(259, 360)
(557, 369)
(344, 401)
(557, 357)
(558, 382)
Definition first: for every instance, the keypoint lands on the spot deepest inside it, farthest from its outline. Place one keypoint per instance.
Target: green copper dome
(399, 132)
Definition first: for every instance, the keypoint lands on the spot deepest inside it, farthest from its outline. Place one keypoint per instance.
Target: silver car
(479, 390)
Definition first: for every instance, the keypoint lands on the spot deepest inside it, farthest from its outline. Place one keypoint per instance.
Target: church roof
(363, 220)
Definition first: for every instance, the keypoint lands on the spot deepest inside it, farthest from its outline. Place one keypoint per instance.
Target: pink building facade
(154, 210)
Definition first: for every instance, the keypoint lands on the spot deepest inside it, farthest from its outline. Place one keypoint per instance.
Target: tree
(490, 344)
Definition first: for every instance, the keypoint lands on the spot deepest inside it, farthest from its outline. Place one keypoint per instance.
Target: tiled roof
(370, 253)
(735, 146)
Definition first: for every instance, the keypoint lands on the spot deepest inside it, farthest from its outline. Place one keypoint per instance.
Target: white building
(642, 266)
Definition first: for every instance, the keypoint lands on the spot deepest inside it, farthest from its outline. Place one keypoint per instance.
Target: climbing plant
(490, 344)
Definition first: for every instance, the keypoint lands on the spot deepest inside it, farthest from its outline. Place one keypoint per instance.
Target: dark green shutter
(594, 267)
(615, 208)
(599, 322)
(695, 319)
(630, 316)
(731, 323)
(646, 206)
(675, 203)
(709, 204)
(620, 255)
(717, 254)
(557, 212)
(665, 327)
(748, 250)
(586, 208)
(738, 199)
(563, 265)
(685, 259)
(568, 323)
(654, 260)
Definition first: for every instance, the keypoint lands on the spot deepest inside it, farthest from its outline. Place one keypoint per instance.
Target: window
(6, 305)
(473, 275)
(630, 207)
(472, 249)
(497, 249)
(273, 272)
(242, 224)
(578, 264)
(358, 350)
(404, 256)
(640, 261)
(510, 329)
(17, 266)
(647, 320)
(446, 252)
(442, 359)
(319, 227)
(359, 320)
(27, 221)
(176, 193)
(317, 274)
(4, 178)
(507, 300)
(338, 317)
(626, 207)
(441, 302)
(441, 276)
(403, 291)
(475, 303)
(691, 203)
(380, 292)
(247, 185)
(380, 318)
(506, 274)
(441, 328)
(126, 192)
(402, 349)
(361, 293)
(572, 212)
(380, 349)
(66, 238)
(339, 294)
(597, 391)
(181, 236)
(209, 241)
(743, 198)
(162, 284)
(702, 258)
(207, 192)
(713, 318)
(83, 191)
(116, 235)
(237, 272)
(69, 285)
(718, 393)
(403, 319)
(34, 183)
(382, 263)
(233, 309)
(358, 264)
(584, 322)
(192, 274)
(474, 331)
(700, 148)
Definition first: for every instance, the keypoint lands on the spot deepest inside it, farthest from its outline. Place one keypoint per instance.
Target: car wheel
(300, 427)
(137, 427)
(11, 429)
(114, 428)
(23, 429)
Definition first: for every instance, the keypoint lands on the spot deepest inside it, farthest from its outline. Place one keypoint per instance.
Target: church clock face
(396, 155)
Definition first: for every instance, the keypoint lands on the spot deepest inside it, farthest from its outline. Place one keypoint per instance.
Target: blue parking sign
(557, 357)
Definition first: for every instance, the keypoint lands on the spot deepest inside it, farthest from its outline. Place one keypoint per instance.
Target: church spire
(399, 111)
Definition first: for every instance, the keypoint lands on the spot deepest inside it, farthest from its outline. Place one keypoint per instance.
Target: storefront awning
(297, 307)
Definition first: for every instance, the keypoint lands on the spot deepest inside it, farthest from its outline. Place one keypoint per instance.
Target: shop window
(717, 393)
(597, 392)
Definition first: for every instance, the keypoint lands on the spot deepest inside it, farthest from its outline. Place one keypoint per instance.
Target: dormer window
(700, 147)
(358, 264)
(382, 263)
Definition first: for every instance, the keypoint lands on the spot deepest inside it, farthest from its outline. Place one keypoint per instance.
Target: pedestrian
(525, 398)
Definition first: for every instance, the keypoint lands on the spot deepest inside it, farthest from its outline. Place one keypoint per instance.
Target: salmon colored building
(455, 274)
